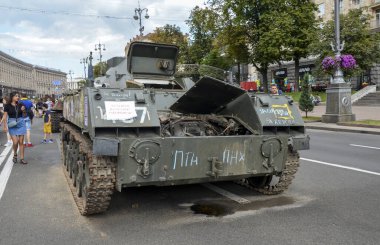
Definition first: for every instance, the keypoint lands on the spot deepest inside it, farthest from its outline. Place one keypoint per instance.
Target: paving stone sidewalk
(361, 113)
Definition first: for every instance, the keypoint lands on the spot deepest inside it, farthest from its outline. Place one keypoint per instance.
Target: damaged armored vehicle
(147, 127)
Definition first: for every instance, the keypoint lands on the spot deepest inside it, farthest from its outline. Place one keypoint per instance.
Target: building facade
(35, 81)
(75, 83)
(284, 75)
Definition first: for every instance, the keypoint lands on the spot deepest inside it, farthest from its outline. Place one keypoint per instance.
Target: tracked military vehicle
(56, 116)
(152, 129)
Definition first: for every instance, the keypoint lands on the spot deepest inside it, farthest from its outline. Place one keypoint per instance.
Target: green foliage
(312, 119)
(203, 30)
(171, 34)
(211, 71)
(365, 123)
(301, 25)
(297, 95)
(253, 30)
(305, 102)
(232, 42)
(359, 40)
(82, 83)
(214, 58)
(100, 69)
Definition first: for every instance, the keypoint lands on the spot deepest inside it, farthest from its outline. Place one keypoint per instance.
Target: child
(47, 124)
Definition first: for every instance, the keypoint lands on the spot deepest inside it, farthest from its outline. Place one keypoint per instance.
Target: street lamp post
(99, 47)
(71, 73)
(137, 16)
(84, 62)
(338, 93)
(337, 47)
(90, 71)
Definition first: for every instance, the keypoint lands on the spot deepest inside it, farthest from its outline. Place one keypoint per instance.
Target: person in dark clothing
(15, 124)
(39, 108)
(28, 117)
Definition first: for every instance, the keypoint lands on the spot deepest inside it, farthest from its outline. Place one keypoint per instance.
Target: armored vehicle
(56, 116)
(153, 129)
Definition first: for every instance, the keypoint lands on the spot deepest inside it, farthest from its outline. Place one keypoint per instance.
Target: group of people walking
(17, 121)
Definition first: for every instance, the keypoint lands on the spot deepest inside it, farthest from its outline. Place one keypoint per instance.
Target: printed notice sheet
(120, 110)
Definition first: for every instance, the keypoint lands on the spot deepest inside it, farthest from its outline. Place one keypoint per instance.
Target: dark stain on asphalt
(213, 208)
(219, 208)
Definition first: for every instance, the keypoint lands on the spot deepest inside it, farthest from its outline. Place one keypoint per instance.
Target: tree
(171, 34)
(359, 40)
(216, 59)
(305, 102)
(301, 25)
(232, 42)
(82, 83)
(100, 69)
(259, 25)
(203, 31)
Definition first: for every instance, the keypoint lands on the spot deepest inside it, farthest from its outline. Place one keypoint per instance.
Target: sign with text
(306, 69)
(120, 110)
(281, 72)
(57, 82)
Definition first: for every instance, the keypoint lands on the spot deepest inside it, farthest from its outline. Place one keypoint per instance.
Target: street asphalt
(334, 199)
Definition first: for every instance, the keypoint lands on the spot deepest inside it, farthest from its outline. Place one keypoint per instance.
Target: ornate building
(35, 81)
(372, 7)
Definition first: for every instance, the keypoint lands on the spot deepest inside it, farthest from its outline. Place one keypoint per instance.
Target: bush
(305, 102)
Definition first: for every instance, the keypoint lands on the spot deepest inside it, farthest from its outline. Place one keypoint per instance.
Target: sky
(59, 33)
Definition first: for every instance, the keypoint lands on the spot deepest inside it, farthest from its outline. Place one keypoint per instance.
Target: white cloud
(60, 40)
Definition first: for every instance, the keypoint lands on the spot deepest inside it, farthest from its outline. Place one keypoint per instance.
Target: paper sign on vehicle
(120, 110)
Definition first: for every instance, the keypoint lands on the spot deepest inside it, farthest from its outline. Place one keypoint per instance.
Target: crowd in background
(16, 117)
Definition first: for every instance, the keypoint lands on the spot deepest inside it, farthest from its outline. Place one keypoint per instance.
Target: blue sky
(58, 33)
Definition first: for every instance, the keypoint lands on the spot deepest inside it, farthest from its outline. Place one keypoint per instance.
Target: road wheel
(55, 120)
(272, 185)
(260, 181)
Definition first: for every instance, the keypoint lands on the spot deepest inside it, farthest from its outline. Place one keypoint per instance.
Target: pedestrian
(28, 118)
(273, 89)
(15, 124)
(47, 124)
(9, 139)
(49, 103)
(39, 107)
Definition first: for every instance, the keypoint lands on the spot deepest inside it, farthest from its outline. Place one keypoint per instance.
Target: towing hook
(145, 170)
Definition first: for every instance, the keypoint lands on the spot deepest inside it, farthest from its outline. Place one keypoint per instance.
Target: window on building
(355, 2)
(377, 18)
(340, 5)
(321, 10)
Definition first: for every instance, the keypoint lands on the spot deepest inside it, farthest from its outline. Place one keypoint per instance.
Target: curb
(358, 125)
(360, 131)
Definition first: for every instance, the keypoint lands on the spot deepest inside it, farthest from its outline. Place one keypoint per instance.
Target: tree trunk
(264, 73)
(238, 73)
(296, 74)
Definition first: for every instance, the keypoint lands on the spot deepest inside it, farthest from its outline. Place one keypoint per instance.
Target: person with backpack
(28, 118)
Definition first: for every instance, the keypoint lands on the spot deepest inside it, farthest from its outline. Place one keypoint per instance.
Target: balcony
(375, 4)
